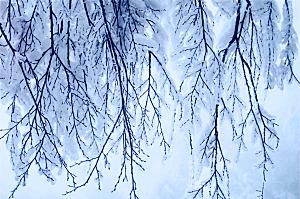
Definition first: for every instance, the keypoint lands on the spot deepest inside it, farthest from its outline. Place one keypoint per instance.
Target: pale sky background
(169, 179)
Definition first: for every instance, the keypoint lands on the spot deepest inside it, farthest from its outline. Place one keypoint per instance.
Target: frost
(141, 39)
(154, 4)
(289, 40)
(139, 4)
(225, 7)
(87, 81)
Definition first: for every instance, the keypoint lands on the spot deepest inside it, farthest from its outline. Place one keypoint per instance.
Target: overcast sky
(169, 179)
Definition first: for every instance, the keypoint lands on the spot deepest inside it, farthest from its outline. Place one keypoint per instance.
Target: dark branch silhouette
(85, 79)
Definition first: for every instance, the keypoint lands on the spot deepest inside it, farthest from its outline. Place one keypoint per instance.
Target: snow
(170, 177)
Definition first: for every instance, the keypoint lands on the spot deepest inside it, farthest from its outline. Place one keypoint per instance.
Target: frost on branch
(212, 152)
(289, 40)
(86, 80)
(83, 80)
(229, 71)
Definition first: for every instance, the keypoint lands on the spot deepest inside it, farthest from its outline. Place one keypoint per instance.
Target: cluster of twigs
(84, 78)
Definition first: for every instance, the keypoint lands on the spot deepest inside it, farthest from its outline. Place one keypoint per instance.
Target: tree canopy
(86, 79)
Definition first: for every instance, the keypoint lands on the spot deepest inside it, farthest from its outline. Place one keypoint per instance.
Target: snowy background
(169, 179)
